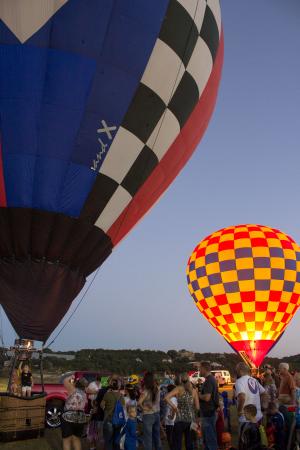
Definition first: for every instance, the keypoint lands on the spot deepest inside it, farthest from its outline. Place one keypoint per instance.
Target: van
(222, 376)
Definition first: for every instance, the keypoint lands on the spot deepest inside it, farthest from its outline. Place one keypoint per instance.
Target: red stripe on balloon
(2, 182)
(175, 158)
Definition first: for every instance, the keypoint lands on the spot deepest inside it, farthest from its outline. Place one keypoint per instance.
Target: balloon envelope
(245, 280)
(102, 102)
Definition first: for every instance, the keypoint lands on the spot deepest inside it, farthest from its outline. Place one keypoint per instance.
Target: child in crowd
(297, 415)
(26, 381)
(130, 398)
(14, 384)
(288, 416)
(94, 427)
(220, 422)
(250, 436)
(226, 410)
(130, 429)
(170, 416)
(275, 428)
(270, 387)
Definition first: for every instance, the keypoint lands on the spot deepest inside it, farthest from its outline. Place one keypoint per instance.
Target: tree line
(126, 362)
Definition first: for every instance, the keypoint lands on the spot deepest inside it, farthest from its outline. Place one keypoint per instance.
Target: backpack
(118, 418)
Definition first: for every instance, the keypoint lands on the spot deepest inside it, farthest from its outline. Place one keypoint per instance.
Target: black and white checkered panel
(174, 79)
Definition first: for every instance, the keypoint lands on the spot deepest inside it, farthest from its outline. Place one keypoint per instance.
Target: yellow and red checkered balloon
(245, 280)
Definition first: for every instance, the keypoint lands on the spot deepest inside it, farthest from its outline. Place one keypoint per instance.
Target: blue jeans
(110, 433)
(209, 432)
(151, 435)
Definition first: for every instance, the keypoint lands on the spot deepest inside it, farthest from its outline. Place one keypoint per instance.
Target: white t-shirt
(93, 386)
(170, 412)
(252, 390)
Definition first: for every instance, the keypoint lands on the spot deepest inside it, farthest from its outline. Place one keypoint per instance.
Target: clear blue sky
(245, 170)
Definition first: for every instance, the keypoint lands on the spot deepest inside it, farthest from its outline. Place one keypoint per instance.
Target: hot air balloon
(101, 105)
(245, 280)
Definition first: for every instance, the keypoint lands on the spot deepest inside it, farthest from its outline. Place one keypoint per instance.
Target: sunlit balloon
(102, 102)
(245, 279)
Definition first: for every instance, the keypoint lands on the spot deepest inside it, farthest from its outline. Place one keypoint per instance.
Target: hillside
(136, 361)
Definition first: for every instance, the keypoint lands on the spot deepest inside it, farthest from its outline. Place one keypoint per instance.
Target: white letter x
(106, 129)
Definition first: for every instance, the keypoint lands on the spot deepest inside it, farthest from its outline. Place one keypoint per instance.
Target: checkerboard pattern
(175, 77)
(245, 280)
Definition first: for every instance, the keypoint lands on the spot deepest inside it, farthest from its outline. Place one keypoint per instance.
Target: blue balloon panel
(74, 77)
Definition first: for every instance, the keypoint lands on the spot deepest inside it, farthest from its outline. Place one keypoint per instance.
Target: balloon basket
(21, 418)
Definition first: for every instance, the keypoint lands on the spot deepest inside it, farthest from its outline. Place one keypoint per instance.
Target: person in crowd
(270, 386)
(297, 412)
(130, 428)
(162, 404)
(76, 401)
(220, 421)
(248, 392)
(249, 435)
(275, 427)
(268, 369)
(14, 383)
(92, 390)
(288, 415)
(170, 416)
(209, 403)
(187, 406)
(97, 406)
(287, 384)
(130, 397)
(26, 381)
(111, 431)
(95, 392)
(149, 403)
(226, 410)
(94, 432)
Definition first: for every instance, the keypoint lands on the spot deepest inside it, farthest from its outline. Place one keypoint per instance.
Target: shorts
(26, 389)
(71, 429)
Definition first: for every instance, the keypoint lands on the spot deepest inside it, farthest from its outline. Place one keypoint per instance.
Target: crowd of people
(268, 408)
(140, 413)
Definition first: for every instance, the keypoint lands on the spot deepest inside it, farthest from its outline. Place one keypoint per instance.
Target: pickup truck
(57, 394)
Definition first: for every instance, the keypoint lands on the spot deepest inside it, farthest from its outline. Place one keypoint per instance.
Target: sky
(246, 169)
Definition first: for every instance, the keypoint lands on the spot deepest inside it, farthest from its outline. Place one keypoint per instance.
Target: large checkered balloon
(245, 280)
(102, 104)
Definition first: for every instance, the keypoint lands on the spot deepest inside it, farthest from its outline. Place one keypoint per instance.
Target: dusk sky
(245, 170)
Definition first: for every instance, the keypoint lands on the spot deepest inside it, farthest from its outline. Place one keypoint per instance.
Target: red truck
(57, 394)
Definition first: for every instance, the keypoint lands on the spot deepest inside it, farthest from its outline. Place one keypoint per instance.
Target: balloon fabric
(245, 280)
(101, 105)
